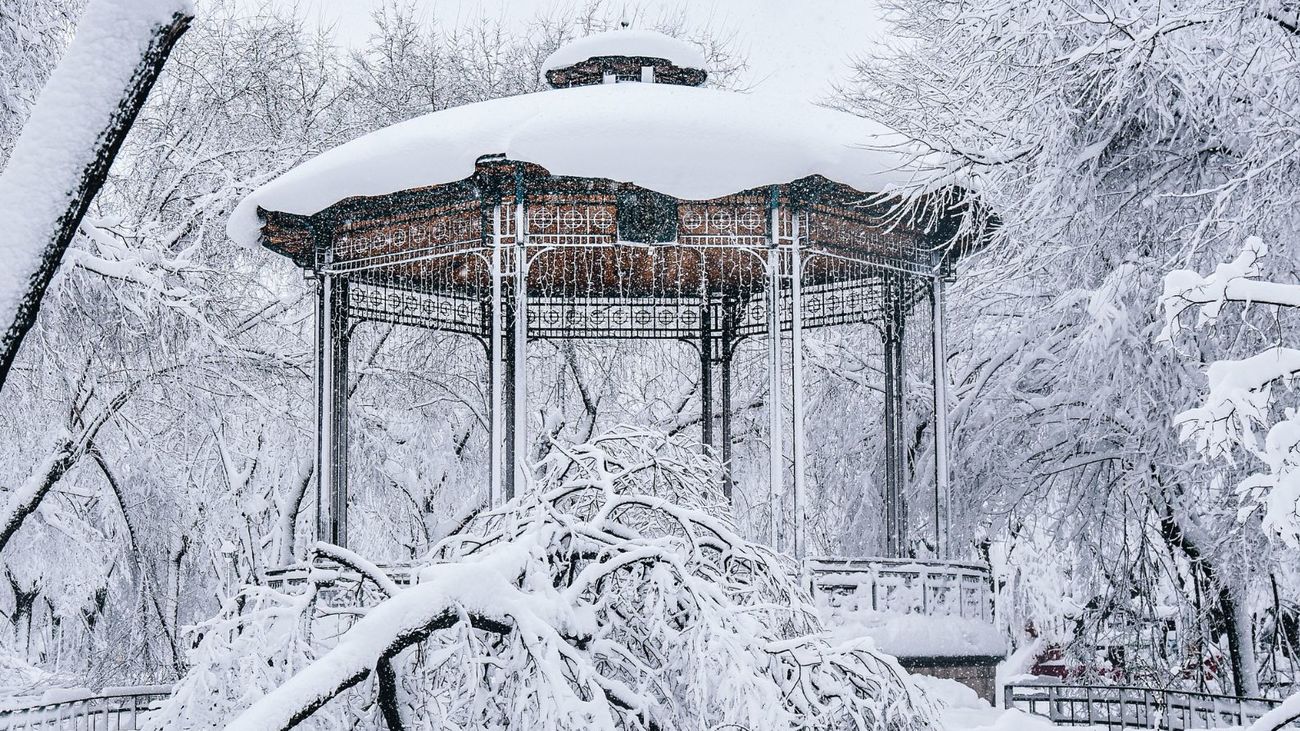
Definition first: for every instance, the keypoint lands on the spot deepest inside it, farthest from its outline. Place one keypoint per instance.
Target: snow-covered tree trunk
(71, 139)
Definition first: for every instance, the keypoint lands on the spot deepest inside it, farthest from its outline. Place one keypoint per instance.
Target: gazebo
(630, 201)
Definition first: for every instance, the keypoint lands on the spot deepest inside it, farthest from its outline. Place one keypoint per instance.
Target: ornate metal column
(776, 458)
(332, 409)
(508, 399)
(728, 348)
(796, 385)
(706, 375)
(895, 508)
(496, 486)
(519, 401)
(942, 489)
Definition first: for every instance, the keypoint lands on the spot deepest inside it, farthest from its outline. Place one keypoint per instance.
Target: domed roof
(627, 43)
(687, 142)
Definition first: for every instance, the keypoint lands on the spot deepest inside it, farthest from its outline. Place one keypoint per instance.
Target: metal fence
(110, 709)
(905, 586)
(1119, 707)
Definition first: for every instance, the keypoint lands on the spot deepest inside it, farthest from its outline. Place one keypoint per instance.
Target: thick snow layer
(688, 142)
(918, 635)
(965, 711)
(60, 137)
(21, 682)
(643, 43)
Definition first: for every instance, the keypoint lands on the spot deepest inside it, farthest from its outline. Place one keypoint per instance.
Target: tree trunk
(290, 506)
(1227, 612)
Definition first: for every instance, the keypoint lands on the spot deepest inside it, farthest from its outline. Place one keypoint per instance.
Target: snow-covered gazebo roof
(690, 143)
(670, 137)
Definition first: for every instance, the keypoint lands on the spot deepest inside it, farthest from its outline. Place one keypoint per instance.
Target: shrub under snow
(614, 594)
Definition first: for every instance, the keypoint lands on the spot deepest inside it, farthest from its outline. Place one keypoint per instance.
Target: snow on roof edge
(691, 143)
(626, 42)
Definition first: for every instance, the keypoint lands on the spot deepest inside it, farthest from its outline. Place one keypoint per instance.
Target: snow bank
(60, 137)
(687, 142)
(916, 635)
(21, 682)
(965, 711)
(643, 43)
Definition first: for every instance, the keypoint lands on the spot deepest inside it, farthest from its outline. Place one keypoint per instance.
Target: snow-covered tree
(1115, 142)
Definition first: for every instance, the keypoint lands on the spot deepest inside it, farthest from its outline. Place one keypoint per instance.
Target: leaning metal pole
(942, 490)
(796, 386)
(895, 542)
(495, 356)
(776, 459)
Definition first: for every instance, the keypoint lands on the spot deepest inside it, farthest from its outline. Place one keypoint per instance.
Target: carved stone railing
(110, 709)
(905, 586)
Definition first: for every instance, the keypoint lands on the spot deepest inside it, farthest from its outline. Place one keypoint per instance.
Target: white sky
(794, 47)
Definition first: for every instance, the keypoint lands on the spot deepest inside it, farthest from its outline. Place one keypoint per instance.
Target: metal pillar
(496, 486)
(728, 349)
(895, 509)
(706, 376)
(796, 386)
(519, 410)
(776, 459)
(332, 409)
(508, 398)
(942, 475)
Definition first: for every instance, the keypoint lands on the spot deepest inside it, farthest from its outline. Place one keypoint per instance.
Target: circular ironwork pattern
(434, 267)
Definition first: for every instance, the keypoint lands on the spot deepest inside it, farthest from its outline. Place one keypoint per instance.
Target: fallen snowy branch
(615, 594)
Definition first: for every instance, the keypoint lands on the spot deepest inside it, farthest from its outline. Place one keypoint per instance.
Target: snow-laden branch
(1240, 393)
(446, 594)
(1237, 399)
(1231, 282)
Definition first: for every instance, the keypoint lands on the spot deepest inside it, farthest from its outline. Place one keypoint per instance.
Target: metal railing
(1120, 707)
(905, 586)
(338, 585)
(110, 709)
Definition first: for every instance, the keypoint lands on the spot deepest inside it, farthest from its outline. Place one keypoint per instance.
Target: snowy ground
(965, 711)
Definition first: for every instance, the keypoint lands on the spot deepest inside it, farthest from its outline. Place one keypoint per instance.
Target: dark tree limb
(92, 179)
(387, 695)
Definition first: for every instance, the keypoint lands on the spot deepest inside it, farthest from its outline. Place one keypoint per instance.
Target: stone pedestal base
(979, 673)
